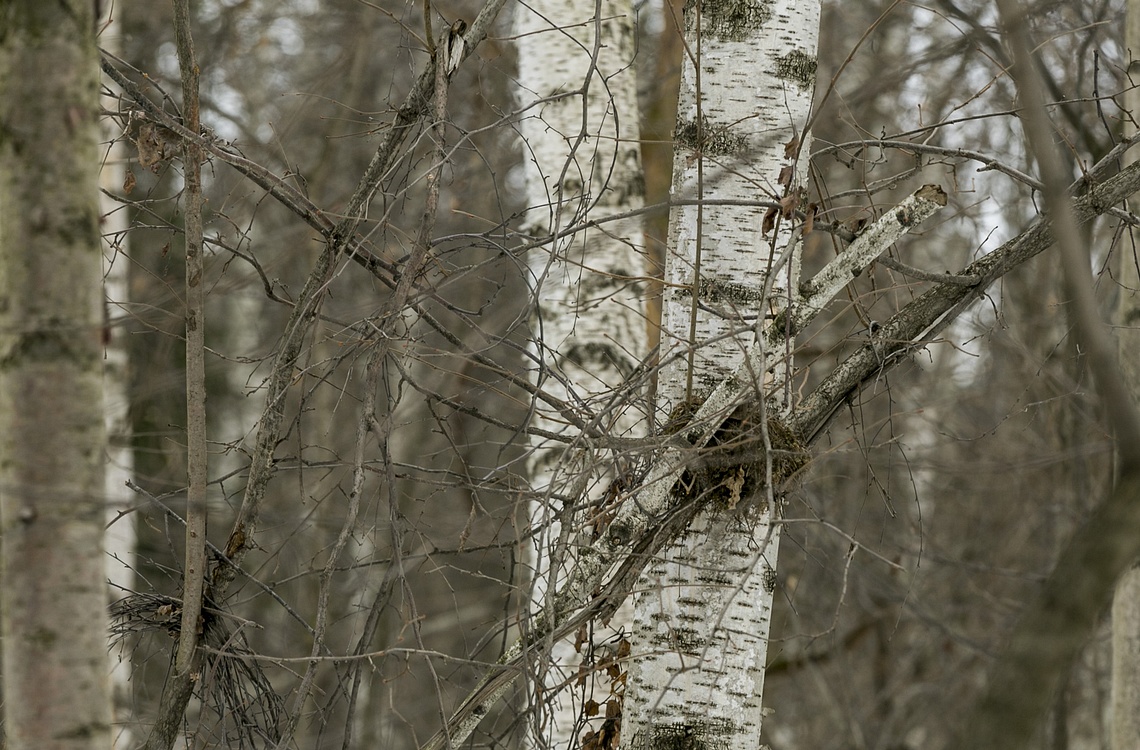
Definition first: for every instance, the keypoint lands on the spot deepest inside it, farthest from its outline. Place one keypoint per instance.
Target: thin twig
(180, 684)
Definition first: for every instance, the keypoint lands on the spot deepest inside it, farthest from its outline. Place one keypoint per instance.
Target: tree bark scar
(236, 542)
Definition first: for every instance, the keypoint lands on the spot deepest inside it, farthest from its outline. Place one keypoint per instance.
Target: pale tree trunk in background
(703, 613)
(119, 541)
(582, 160)
(52, 447)
(1126, 600)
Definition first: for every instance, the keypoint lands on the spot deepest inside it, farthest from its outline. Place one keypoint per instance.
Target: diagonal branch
(918, 322)
(1063, 616)
(645, 525)
(868, 246)
(241, 539)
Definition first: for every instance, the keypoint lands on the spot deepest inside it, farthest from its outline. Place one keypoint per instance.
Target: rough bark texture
(582, 158)
(702, 620)
(51, 405)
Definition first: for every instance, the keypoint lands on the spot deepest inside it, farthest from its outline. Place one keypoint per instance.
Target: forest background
(393, 562)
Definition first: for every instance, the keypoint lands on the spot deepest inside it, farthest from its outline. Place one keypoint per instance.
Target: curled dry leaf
(156, 144)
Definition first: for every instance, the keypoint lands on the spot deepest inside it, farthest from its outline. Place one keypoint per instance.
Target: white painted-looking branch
(868, 246)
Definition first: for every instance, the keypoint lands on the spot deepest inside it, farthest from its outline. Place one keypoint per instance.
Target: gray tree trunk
(1125, 695)
(52, 445)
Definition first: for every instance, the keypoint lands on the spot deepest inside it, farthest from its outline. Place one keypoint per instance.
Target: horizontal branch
(987, 161)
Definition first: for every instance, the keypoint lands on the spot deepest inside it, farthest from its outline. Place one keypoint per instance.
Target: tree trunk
(51, 402)
(121, 535)
(703, 615)
(582, 160)
(1125, 695)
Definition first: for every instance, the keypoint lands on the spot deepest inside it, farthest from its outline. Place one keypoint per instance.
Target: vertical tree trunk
(121, 535)
(582, 161)
(702, 619)
(1126, 600)
(51, 403)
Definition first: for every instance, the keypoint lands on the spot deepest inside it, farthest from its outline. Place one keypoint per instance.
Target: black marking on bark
(708, 138)
(797, 67)
(690, 735)
(729, 20)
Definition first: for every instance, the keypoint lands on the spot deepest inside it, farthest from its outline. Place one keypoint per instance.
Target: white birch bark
(702, 618)
(120, 538)
(582, 160)
(1125, 691)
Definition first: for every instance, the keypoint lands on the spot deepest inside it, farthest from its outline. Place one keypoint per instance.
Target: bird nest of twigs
(733, 470)
(233, 687)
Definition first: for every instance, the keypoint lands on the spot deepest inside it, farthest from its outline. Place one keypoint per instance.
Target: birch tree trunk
(1125, 694)
(701, 621)
(580, 127)
(53, 613)
(120, 539)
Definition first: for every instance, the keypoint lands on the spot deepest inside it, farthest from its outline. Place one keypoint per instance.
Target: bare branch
(869, 245)
(241, 539)
(624, 541)
(187, 660)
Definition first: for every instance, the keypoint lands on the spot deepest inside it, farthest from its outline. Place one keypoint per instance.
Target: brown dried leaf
(129, 182)
(856, 224)
(786, 175)
(734, 485)
(769, 221)
(788, 204)
(591, 708)
(792, 147)
(613, 709)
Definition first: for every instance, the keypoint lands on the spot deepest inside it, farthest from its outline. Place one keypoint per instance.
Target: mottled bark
(701, 628)
(52, 445)
(582, 159)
